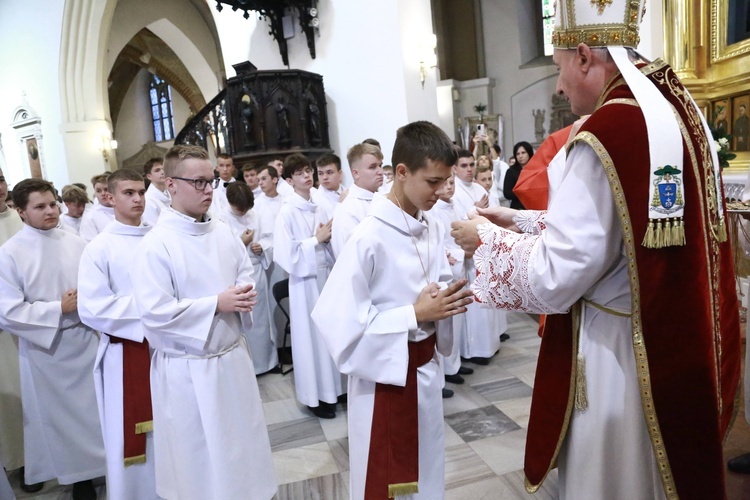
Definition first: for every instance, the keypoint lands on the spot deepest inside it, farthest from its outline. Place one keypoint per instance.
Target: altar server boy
(302, 248)
(193, 288)
(121, 372)
(38, 303)
(383, 332)
(249, 228)
(95, 218)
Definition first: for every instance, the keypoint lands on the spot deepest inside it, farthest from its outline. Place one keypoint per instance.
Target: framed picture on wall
(741, 123)
(721, 116)
(35, 163)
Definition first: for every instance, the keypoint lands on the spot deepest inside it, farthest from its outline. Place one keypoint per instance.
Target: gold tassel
(656, 200)
(659, 234)
(144, 427)
(681, 241)
(648, 239)
(722, 230)
(139, 459)
(668, 233)
(402, 489)
(582, 400)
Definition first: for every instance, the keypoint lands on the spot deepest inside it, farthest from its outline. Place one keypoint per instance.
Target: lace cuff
(504, 272)
(530, 221)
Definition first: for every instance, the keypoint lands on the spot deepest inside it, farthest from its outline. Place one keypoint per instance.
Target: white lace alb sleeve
(579, 244)
(503, 277)
(530, 221)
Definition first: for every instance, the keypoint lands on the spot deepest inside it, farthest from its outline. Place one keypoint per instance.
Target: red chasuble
(685, 322)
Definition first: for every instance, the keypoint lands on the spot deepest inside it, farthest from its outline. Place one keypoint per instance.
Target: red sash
(136, 398)
(393, 462)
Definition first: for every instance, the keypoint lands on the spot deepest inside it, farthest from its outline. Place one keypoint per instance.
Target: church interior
(93, 86)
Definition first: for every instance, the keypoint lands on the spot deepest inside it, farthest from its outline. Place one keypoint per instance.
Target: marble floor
(485, 433)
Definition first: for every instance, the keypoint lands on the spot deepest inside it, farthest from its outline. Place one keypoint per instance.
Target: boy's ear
(401, 171)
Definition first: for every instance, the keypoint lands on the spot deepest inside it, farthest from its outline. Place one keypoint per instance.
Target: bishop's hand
(434, 304)
(465, 232)
(501, 216)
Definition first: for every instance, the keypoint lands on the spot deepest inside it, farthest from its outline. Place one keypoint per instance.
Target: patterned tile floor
(485, 433)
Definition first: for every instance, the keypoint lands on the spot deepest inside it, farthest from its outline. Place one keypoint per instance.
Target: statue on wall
(247, 120)
(539, 124)
(282, 122)
(316, 137)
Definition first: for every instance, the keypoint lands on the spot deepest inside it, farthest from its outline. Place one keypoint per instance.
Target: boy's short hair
(240, 195)
(99, 179)
(327, 159)
(23, 189)
(224, 156)
(420, 141)
(294, 163)
(464, 153)
(177, 154)
(497, 148)
(150, 164)
(371, 141)
(256, 167)
(388, 167)
(272, 172)
(73, 194)
(123, 174)
(359, 150)
(80, 185)
(275, 158)
(482, 169)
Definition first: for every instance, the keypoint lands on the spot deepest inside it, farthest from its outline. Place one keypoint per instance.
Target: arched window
(161, 109)
(548, 25)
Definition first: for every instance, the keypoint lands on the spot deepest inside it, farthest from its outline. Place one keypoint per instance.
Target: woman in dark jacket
(522, 152)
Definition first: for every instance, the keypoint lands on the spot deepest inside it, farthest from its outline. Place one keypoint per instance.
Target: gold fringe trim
(662, 233)
(722, 232)
(401, 489)
(582, 400)
(139, 459)
(144, 427)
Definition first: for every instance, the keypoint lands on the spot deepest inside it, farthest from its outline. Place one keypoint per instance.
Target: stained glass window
(548, 24)
(160, 95)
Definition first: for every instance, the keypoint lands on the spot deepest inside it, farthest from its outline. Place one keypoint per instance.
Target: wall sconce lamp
(428, 56)
(108, 144)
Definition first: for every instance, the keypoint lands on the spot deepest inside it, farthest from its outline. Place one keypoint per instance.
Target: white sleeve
(184, 321)
(547, 273)
(363, 341)
(38, 322)
(99, 306)
(295, 256)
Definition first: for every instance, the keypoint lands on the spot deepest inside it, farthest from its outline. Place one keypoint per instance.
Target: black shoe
(740, 464)
(480, 361)
(84, 490)
(29, 488)
(465, 370)
(344, 399)
(275, 369)
(327, 406)
(322, 412)
(447, 393)
(504, 337)
(454, 379)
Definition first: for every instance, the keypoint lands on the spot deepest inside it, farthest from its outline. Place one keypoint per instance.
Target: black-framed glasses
(200, 184)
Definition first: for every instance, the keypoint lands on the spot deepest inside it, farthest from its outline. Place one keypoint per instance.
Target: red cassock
(685, 321)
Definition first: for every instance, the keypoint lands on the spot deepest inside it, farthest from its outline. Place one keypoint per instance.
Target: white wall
(28, 63)
(133, 128)
(180, 26)
(366, 54)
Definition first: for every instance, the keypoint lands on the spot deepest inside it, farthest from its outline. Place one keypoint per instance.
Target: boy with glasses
(193, 287)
